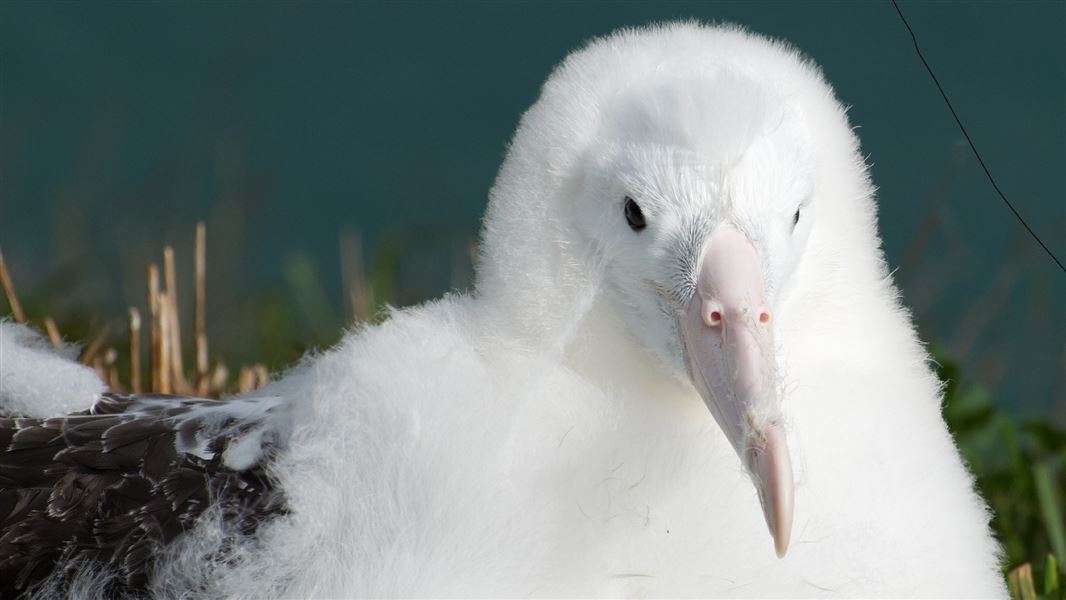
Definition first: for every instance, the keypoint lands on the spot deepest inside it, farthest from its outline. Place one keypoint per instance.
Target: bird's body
(542, 435)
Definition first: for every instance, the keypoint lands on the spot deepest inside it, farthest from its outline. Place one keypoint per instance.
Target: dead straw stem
(173, 321)
(9, 291)
(135, 350)
(94, 346)
(111, 373)
(176, 366)
(165, 332)
(200, 308)
(167, 373)
(246, 380)
(360, 300)
(154, 355)
(53, 332)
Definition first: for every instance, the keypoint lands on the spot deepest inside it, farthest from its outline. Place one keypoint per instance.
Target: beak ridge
(728, 340)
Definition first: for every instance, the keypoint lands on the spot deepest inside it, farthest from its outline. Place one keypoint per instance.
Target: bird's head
(696, 196)
(680, 181)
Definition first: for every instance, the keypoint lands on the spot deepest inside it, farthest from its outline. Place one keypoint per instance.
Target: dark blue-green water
(121, 124)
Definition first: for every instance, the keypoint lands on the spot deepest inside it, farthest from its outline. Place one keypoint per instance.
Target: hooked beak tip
(781, 547)
(783, 535)
(772, 470)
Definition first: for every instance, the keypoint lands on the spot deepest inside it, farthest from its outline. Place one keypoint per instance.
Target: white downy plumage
(39, 380)
(545, 435)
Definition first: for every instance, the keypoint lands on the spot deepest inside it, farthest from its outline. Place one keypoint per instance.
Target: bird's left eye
(634, 216)
(796, 218)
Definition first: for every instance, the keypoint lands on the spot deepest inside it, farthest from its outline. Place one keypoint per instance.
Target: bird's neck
(585, 335)
(601, 350)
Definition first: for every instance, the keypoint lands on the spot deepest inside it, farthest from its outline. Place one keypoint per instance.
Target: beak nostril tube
(713, 317)
(711, 313)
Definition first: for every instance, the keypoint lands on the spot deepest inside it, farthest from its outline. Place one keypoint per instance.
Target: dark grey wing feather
(112, 485)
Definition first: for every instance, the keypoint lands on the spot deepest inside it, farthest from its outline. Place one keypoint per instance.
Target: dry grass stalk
(9, 291)
(246, 380)
(1020, 583)
(153, 328)
(219, 379)
(94, 346)
(200, 308)
(53, 332)
(165, 332)
(135, 350)
(167, 373)
(177, 369)
(100, 368)
(253, 377)
(110, 360)
(262, 375)
(360, 300)
(179, 383)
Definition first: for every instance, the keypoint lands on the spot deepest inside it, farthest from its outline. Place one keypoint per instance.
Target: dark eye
(634, 216)
(796, 218)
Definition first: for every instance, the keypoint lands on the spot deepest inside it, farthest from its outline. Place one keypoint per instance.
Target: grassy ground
(1020, 468)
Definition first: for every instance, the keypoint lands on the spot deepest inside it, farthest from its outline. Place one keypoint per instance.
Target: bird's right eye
(634, 216)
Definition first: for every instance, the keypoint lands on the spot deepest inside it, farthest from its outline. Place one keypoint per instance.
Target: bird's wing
(110, 486)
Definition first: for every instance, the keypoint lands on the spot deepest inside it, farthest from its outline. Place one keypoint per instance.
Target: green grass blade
(1050, 506)
(1051, 577)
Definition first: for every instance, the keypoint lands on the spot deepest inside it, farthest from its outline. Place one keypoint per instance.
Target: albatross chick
(684, 371)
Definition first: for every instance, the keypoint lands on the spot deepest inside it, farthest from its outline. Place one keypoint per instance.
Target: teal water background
(281, 123)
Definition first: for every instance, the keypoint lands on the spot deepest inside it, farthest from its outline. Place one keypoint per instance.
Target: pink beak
(729, 343)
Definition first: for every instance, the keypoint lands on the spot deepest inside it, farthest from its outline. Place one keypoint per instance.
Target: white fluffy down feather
(545, 435)
(38, 380)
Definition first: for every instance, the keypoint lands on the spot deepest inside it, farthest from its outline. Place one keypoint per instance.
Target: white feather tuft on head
(535, 270)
